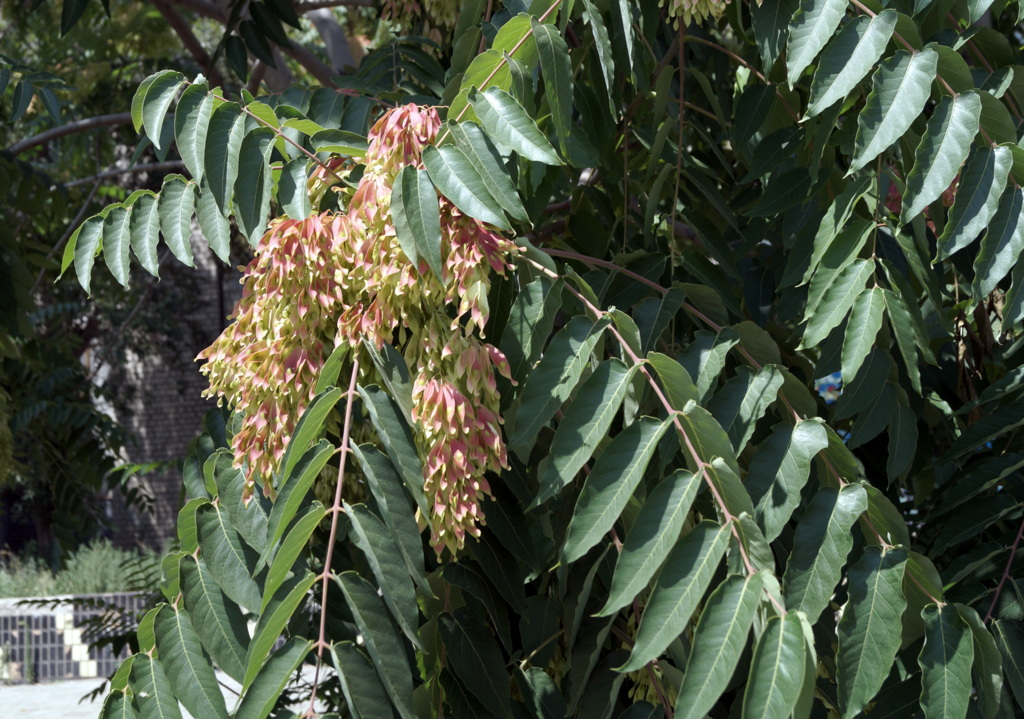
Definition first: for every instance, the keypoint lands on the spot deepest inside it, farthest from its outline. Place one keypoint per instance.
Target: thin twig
(1006, 573)
(120, 118)
(167, 166)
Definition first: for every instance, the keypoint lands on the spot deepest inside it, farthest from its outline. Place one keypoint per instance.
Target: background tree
(587, 473)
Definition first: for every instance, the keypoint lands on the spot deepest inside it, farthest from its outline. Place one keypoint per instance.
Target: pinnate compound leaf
(220, 157)
(810, 29)
(870, 630)
(157, 101)
(779, 470)
(861, 330)
(945, 660)
(899, 90)
(820, 546)
(511, 127)
(177, 200)
(849, 58)
(189, 670)
(363, 691)
(585, 424)
(684, 577)
(1002, 245)
(837, 301)
(417, 219)
(381, 639)
(654, 533)
(551, 381)
(219, 622)
(260, 700)
(117, 242)
(455, 176)
(981, 185)
(610, 484)
(153, 697)
(776, 669)
(944, 146)
(191, 122)
(718, 642)
(144, 230)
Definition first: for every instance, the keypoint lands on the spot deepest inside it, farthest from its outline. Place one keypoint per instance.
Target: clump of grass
(97, 568)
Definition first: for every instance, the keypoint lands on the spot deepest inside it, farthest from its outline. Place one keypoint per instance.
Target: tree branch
(188, 38)
(314, 65)
(120, 118)
(150, 167)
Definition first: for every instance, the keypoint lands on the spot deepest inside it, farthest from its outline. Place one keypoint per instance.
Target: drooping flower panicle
(342, 278)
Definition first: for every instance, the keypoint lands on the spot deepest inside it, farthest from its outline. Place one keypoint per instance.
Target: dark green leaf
(557, 71)
(810, 29)
(458, 180)
(1002, 246)
(397, 439)
(153, 697)
(529, 324)
(191, 122)
(220, 156)
(849, 58)
(743, 401)
(681, 584)
(218, 621)
(116, 242)
(511, 127)
(981, 182)
(254, 183)
(157, 101)
(946, 659)
(488, 163)
(213, 224)
(417, 219)
(869, 632)
(476, 659)
(363, 691)
(263, 695)
(144, 231)
(228, 560)
(189, 670)
(85, 244)
(861, 330)
(272, 622)
(177, 200)
(294, 542)
(776, 670)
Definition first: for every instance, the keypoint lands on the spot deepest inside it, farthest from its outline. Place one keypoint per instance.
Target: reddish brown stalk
(1006, 573)
(335, 511)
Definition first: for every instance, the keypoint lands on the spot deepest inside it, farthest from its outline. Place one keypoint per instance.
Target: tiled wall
(45, 643)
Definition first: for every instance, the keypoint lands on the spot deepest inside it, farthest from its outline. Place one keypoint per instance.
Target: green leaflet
(272, 622)
(382, 640)
(902, 441)
(458, 180)
(116, 242)
(291, 189)
(144, 231)
(191, 123)
(511, 127)
(476, 659)
(603, 45)
(829, 229)
(229, 560)
(982, 180)
(177, 200)
(557, 71)
(213, 224)
(1001, 246)
(188, 669)
(296, 539)
(810, 29)
(551, 381)
(260, 700)
(820, 546)
(869, 632)
(675, 380)
(655, 531)
(718, 642)
(900, 88)
(397, 439)
(381, 551)
(704, 358)
(417, 219)
(861, 329)
(220, 157)
(83, 247)
(771, 28)
(153, 697)
(849, 58)
(943, 148)
(743, 401)
(585, 424)
(610, 484)
(836, 302)
(363, 691)
(293, 494)
(776, 670)
(157, 101)
(988, 663)
(837, 256)
(529, 324)
(1010, 640)
(308, 428)
(706, 436)
(908, 334)
(485, 158)
(684, 577)
(779, 470)
(945, 660)
(218, 621)
(253, 184)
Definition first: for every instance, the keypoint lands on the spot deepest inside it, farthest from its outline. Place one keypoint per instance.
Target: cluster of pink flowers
(342, 278)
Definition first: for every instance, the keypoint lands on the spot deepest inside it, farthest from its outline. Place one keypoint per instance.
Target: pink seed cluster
(336, 279)
(695, 10)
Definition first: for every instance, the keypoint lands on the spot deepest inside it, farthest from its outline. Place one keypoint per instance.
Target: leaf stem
(1006, 573)
(336, 510)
